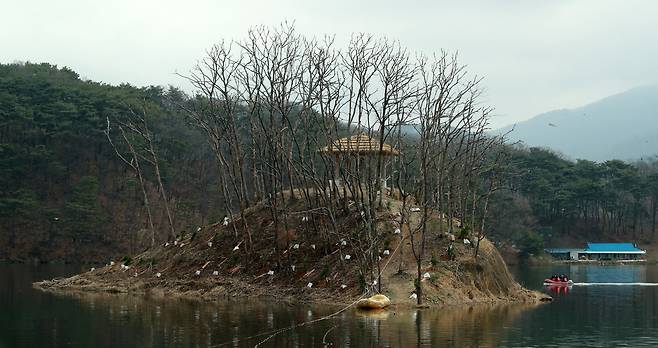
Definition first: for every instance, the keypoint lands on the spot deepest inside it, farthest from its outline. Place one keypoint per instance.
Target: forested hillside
(64, 194)
(549, 199)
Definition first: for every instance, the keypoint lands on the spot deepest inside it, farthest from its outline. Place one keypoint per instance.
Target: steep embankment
(214, 263)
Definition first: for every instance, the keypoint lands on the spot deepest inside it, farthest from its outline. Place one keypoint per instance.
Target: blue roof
(612, 247)
(560, 250)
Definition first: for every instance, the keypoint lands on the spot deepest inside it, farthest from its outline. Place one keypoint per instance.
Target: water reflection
(479, 326)
(180, 323)
(591, 316)
(558, 289)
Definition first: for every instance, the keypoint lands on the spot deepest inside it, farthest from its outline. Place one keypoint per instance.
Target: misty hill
(622, 126)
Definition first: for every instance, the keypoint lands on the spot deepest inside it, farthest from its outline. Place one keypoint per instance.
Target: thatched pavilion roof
(359, 144)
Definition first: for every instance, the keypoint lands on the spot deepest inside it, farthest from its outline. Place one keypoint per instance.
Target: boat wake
(615, 284)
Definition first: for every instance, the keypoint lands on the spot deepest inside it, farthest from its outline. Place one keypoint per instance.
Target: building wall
(610, 256)
(581, 255)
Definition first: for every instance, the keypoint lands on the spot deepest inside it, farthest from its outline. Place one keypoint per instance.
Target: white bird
(305, 218)
(363, 214)
(111, 263)
(136, 274)
(167, 244)
(413, 296)
(293, 267)
(343, 242)
(56, 219)
(347, 257)
(158, 274)
(415, 210)
(313, 246)
(225, 221)
(210, 244)
(198, 229)
(92, 269)
(270, 272)
(426, 275)
(182, 245)
(197, 272)
(397, 231)
(176, 242)
(466, 241)
(374, 282)
(296, 246)
(236, 248)
(387, 252)
(309, 285)
(343, 286)
(215, 273)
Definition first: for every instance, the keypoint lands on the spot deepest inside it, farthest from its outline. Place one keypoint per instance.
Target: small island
(308, 255)
(327, 174)
(343, 173)
(213, 264)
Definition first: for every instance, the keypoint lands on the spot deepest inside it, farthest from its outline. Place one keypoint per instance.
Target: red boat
(550, 282)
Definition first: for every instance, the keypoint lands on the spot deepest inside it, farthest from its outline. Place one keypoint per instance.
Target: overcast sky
(535, 56)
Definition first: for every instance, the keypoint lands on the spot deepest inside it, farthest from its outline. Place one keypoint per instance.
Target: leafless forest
(275, 105)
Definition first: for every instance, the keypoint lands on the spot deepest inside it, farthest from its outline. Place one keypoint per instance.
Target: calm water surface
(586, 316)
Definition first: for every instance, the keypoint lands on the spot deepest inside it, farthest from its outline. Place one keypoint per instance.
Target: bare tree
(138, 124)
(133, 164)
(271, 102)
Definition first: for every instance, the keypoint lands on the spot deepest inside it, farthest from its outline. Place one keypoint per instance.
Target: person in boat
(554, 277)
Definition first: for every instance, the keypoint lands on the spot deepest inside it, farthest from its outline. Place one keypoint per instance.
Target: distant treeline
(552, 199)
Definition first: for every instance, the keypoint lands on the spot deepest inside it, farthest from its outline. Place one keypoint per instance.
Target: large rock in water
(378, 301)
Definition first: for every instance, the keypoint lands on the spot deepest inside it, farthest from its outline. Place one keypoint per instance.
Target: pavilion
(355, 148)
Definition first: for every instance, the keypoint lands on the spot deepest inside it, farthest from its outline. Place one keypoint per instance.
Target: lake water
(586, 316)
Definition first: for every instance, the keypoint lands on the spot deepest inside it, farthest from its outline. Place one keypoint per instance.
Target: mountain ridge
(620, 126)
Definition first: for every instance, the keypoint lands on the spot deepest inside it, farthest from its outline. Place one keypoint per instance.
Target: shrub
(325, 271)
(434, 260)
(464, 232)
(126, 260)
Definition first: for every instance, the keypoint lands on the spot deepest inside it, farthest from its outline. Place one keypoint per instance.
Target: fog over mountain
(622, 126)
